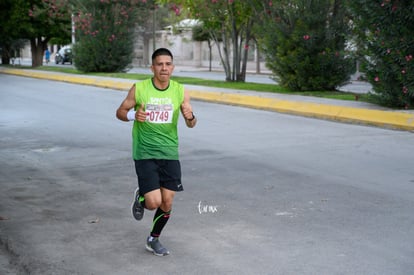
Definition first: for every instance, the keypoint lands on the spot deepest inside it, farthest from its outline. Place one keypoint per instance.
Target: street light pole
(73, 28)
(153, 29)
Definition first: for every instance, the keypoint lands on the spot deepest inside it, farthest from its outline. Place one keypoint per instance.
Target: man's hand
(141, 115)
(187, 110)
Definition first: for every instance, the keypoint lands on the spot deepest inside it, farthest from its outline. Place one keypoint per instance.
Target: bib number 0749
(159, 116)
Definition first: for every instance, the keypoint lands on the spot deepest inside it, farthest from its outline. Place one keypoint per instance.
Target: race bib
(159, 113)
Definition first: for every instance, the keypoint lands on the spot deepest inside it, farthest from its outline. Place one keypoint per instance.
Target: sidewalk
(337, 110)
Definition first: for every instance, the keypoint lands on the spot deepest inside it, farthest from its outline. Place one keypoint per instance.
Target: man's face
(162, 67)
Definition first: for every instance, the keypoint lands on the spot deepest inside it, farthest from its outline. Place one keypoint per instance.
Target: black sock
(159, 221)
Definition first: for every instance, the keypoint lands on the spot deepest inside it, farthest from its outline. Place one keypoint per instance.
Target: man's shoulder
(144, 82)
(175, 84)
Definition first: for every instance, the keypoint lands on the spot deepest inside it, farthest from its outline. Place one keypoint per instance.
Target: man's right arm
(126, 105)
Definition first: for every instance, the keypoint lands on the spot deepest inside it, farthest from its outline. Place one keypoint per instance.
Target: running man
(154, 105)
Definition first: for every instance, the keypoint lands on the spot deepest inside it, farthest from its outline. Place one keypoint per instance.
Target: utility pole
(153, 29)
(73, 28)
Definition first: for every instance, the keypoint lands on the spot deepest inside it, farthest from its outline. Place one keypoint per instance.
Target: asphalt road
(265, 193)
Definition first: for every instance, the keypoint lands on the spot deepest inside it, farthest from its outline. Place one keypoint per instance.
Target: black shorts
(156, 173)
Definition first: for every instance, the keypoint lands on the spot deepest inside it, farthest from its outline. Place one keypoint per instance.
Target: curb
(383, 119)
(77, 79)
(379, 118)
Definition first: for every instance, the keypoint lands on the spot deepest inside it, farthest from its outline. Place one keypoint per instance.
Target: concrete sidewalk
(338, 110)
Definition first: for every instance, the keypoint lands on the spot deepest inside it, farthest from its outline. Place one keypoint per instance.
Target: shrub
(304, 44)
(105, 35)
(385, 28)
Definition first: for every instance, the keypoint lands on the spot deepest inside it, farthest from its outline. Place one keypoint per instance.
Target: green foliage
(60, 40)
(304, 44)
(105, 34)
(35, 20)
(50, 18)
(386, 29)
(200, 33)
(8, 22)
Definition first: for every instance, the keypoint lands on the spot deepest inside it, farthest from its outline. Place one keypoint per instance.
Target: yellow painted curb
(385, 119)
(84, 80)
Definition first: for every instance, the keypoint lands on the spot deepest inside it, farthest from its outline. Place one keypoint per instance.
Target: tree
(229, 23)
(47, 19)
(8, 35)
(105, 33)
(385, 29)
(35, 20)
(304, 43)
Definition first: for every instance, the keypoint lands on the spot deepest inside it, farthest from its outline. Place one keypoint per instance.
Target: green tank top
(157, 137)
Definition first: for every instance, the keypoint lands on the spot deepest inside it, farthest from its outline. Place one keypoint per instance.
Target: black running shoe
(137, 208)
(156, 247)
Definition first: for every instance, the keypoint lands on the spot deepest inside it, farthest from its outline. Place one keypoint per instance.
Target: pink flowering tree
(105, 33)
(386, 34)
(229, 24)
(304, 43)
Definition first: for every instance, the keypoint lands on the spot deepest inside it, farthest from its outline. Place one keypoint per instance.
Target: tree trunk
(257, 58)
(5, 55)
(225, 58)
(242, 75)
(210, 57)
(38, 46)
(236, 42)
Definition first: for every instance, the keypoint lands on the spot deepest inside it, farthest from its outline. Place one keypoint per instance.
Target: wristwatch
(191, 119)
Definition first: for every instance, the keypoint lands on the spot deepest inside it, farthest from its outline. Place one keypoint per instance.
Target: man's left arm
(187, 111)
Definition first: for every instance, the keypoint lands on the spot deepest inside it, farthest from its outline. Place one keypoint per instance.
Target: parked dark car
(64, 55)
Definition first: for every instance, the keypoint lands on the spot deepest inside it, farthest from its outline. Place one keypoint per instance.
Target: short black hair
(161, 51)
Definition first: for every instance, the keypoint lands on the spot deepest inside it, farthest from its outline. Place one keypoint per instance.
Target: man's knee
(166, 205)
(153, 200)
(152, 204)
(167, 199)
(159, 198)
